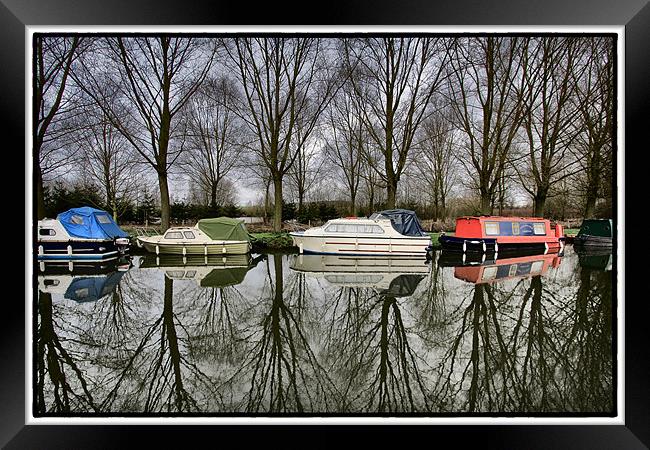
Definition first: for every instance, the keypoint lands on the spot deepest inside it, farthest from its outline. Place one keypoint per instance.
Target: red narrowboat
(494, 233)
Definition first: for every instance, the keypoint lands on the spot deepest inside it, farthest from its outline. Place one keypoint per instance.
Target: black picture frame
(15, 15)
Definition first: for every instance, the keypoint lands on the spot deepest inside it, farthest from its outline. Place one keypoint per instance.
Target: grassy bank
(272, 241)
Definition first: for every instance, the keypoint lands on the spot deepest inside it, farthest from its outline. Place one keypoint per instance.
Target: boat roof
(224, 228)
(87, 222)
(503, 218)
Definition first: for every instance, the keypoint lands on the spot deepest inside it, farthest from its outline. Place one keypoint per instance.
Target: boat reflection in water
(80, 288)
(599, 259)
(83, 267)
(490, 270)
(394, 276)
(207, 271)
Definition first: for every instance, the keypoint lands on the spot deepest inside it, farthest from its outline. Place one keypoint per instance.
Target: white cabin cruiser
(394, 232)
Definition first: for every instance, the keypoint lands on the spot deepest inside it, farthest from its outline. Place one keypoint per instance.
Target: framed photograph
(325, 228)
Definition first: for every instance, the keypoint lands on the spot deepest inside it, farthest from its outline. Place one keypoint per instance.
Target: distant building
(251, 220)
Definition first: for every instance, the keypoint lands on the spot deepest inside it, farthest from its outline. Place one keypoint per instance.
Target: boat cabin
(506, 227)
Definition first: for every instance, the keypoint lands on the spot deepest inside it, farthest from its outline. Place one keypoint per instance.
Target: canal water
(319, 335)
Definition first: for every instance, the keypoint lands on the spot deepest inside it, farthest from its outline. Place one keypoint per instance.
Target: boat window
(51, 282)
(174, 235)
(332, 229)
(361, 278)
(539, 228)
(515, 228)
(190, 274)
(77, 219)
(81, 293)
(188, 234)
(175, 274)
(492, 228)
(46, 232)
(103, 218)
(490, 273)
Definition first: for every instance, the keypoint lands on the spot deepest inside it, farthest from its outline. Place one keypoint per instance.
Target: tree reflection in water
(285, 341)
(286, 375)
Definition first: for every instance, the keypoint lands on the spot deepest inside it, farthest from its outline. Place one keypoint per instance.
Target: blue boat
(81, 234)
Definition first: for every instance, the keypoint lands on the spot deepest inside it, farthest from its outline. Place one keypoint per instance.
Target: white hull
(361, 245)
(204, 248)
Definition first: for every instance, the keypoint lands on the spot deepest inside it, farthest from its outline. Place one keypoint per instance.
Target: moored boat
(81, 234)
(394, 232)
(489, 234)
(595, 233)
(216, 236)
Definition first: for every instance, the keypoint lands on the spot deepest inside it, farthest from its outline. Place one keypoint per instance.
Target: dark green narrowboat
(595, 232)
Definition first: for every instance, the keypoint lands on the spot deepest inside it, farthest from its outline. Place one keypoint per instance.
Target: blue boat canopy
(404, 221)
(90, 289)
(90, 223)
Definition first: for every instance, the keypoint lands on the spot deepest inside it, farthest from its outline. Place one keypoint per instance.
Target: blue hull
(79, 251)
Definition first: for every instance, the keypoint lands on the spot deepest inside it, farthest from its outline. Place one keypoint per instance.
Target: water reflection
(307, 334)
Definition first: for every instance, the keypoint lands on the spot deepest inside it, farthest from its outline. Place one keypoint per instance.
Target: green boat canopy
(224, 228)
(596, 227)
(222, 277)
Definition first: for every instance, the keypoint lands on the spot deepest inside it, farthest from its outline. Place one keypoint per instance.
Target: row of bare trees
(370, 115)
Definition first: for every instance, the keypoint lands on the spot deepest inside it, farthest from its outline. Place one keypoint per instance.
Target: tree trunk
(353, 204)
(391, 192)
(540, 203)
(486, 203)
(591, 205)
(301, 195)
(40, 193)
(266, 201)
(277, 195)
(164, 201)
(213, 196)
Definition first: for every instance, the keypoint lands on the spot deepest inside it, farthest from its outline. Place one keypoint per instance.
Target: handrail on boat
(146, 231)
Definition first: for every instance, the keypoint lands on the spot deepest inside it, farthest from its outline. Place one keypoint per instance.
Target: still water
(325, 335)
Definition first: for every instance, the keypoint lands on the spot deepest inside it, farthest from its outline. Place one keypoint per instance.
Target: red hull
(510, 230)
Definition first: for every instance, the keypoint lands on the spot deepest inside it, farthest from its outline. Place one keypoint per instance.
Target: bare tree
(284, 80)
(52, 64)
(107, 159)
(306, 169)
(435, 161)
(395, 79)
(345, 147)
(595, 94)
(551, 116)
(214, 136)
(485, 96)
(150, 82)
